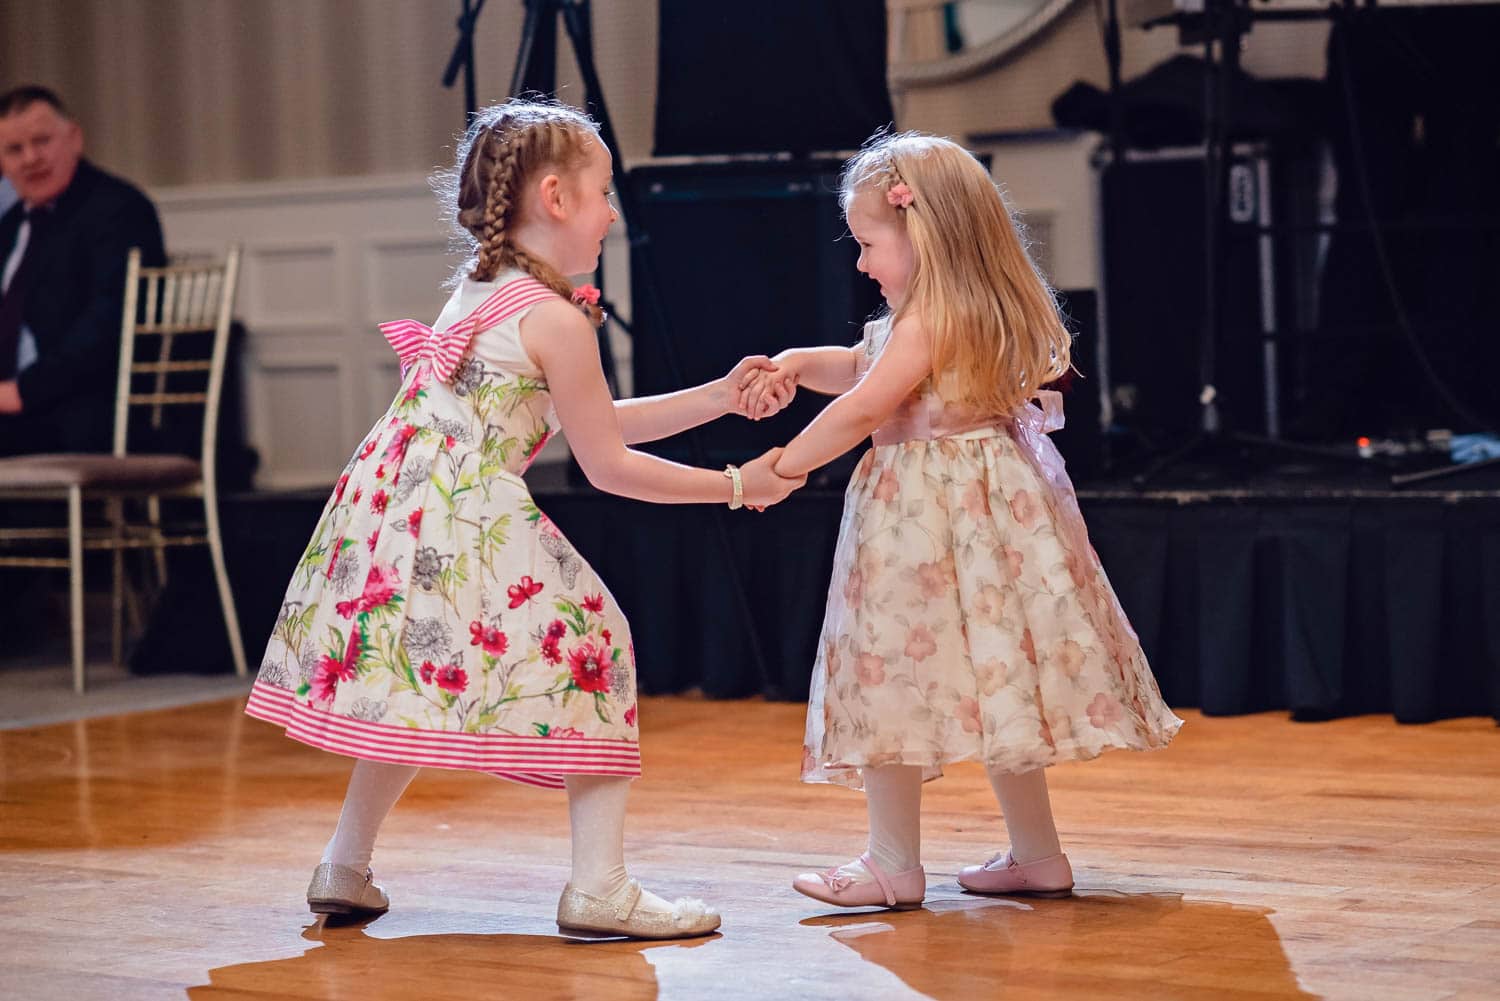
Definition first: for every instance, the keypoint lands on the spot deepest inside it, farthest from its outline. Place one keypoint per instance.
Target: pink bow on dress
(444, 349)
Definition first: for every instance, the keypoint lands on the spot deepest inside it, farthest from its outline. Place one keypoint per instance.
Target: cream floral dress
(968, 617)
(437, 617)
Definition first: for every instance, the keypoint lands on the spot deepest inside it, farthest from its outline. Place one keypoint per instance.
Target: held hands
(763, 487)
(761, 388)
(767, 391)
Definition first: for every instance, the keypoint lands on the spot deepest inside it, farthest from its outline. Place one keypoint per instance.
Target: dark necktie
(13, 301)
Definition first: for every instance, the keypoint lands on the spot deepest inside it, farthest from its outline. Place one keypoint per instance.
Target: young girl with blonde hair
(437, 617)
(968, 618)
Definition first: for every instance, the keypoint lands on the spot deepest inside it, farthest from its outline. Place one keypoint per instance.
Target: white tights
(596, 811)
(894, 797)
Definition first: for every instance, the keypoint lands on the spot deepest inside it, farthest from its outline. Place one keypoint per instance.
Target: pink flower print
(414, 522)
(989, 604)
(630, 716)
(551, 651)
(493, 641)
(990, 675)
(937, 578)
(565, 732)
(452, 678)
(869, 668)
(1104, 711)
(967, 712)
(427, 670)
(1068, 658)
(338, 489)
(402, 438)
(920, 643)
(557, 630)
(594, 603)
(608, 639)
(368, 449)
(886, 488)
(1024, 508)
(536, 446)
(1028, 646)
(590, 665)
(523, 591)
(358, 492)
(333, 558)
(374, 538)
(854, 588)
(417, 385)
(378, 501)
(975, 500)
(381, 586)
(449, 441)
(380, 471)
(324, 684)
(330, 671)
(1011, 561)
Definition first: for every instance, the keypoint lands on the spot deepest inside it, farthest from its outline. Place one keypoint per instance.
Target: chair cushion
(86, 469)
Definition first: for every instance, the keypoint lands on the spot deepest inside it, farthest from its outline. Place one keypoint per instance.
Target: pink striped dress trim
(415, 342)
(536, 761)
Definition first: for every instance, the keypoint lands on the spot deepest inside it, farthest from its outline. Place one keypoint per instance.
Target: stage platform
(166, 854)
(1314, 588)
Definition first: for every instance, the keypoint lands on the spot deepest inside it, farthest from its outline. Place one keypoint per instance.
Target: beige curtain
(205, 91)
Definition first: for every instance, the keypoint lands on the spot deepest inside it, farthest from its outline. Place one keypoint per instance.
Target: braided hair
(504, 147)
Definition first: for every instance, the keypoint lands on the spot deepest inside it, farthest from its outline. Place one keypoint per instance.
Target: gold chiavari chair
(166, 310)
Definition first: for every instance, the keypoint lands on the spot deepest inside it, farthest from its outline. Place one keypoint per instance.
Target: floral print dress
(968, 617)
(437, 617)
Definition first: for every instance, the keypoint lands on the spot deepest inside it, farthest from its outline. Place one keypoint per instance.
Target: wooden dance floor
(165, 855)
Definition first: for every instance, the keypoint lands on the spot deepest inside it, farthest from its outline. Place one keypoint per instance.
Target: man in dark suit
(63, 248)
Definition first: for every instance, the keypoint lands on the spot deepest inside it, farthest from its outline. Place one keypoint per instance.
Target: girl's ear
(551, 190)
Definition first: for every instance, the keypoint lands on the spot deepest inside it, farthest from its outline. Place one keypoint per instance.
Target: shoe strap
(880, 878)
(625, 903)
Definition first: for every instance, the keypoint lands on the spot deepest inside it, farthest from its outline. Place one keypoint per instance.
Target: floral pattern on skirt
(437, 617)
(966, 622)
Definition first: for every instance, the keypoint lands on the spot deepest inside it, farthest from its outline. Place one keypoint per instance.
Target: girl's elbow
(600, 471)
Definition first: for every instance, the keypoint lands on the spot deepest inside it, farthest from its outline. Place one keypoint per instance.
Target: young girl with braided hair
(437, 617)
(968, 618)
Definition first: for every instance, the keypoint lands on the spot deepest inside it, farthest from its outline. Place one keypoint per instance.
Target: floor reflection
(1097, 944)
(349, 964)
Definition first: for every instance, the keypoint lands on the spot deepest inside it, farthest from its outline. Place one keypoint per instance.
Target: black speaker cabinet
(750, 259)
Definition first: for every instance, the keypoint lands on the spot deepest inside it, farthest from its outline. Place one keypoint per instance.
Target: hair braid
(499, 185)
(504, 149)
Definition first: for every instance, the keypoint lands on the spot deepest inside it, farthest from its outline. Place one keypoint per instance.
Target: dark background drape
(1325, 605)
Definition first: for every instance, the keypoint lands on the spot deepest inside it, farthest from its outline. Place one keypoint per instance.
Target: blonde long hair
(505, 147)
(993, 323)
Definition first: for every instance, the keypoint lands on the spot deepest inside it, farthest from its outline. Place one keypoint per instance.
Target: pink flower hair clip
(586, 294)
(899, 196)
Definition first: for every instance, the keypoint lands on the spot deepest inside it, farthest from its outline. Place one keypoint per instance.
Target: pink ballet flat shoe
(841, 887)
(1048, 877)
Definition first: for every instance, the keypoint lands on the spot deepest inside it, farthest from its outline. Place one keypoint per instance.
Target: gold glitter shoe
(585, 915)
(342, 889)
